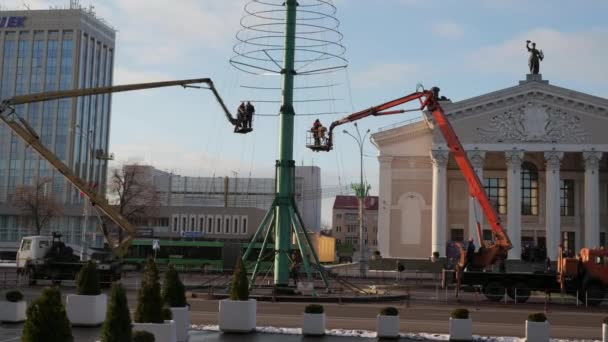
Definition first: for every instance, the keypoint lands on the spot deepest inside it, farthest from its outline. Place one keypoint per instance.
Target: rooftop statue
(535, 57)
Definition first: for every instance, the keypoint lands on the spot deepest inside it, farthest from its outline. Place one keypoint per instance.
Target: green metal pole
(269, 214)
(301, 246)
(259, 260)
(286, 164)
(312, 248)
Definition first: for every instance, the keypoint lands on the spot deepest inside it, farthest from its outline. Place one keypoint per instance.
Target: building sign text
(12, 22)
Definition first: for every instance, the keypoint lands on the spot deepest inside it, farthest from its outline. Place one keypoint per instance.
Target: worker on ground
(470, 252)
(293, 269)
(240, 117)
(315, 132)
(249, 111)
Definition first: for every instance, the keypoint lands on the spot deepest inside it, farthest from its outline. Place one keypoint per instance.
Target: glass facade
(529, 189)
(496, 189)
(34, 59)
(567, 197)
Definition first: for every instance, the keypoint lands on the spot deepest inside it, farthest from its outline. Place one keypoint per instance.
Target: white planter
(313, 324)
(461, 329)
(604, 332)
(164, 332)
(537, 331)
(181, 317)
(86, 310)
(237, 315)
(387, 326)
(13, 312)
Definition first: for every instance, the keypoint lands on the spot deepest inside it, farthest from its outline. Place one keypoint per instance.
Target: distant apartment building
(198, 222)
(345, 222)
(242, 192)
(50, 50)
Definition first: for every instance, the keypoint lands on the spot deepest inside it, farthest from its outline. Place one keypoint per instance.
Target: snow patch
(372, 334)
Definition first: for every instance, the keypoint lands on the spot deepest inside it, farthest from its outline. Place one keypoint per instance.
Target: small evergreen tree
(87, 280)
(149, 301)
(174, 292)
(117, 326)
(239, 288)
(143, 336)
(47, 320)
(14, 296)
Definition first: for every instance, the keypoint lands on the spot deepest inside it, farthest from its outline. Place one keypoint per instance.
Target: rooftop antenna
(26, 5)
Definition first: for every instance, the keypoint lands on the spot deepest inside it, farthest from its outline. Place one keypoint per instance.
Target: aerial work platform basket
(318, 142)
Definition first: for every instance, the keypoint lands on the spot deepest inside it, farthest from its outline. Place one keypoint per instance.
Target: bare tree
(133, 192)
(36, 203)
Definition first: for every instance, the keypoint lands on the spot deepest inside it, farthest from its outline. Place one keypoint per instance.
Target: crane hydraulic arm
(23, 129)
(428, 99)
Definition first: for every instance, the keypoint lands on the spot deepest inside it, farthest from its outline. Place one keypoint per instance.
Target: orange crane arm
(22, 128)
(476, 189)
(428, 100)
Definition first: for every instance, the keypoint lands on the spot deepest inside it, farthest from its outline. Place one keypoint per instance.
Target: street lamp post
(83, 238)
(361, 190)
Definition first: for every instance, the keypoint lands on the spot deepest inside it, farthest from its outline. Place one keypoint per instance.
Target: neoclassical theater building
(540, 152)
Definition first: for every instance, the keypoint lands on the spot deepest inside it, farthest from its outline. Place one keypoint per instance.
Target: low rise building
(345, 222)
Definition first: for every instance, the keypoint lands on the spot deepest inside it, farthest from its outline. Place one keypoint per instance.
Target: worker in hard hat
(249, 111)
(241, 114)
(315, 131)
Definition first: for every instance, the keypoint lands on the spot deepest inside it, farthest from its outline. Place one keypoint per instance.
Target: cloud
(186, 162)
(127, 76)
(568, 55)
(415, 3)
(383, 74)
(450, 30)
(155, 33)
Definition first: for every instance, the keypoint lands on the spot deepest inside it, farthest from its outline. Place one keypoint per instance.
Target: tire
(523, 292)
(494, 291)
(31, 277)
(55, 277)
(593, 293)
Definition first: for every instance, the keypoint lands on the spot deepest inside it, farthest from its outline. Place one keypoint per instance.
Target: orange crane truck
(586, 277)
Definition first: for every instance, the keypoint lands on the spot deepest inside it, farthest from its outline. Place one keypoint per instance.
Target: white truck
(48, 258)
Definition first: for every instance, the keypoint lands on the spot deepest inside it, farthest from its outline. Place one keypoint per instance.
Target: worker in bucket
(249, 111)
(315, 132)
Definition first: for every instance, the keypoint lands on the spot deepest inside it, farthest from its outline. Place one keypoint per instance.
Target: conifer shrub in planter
(537, 328)
(174, 297)
(313, 321)
(142, 336)
(117, 326)
(238, 312)
(13, 308)
(150, 315)
(387, 323)
(89, 306)
(461, 326)
(47, 320)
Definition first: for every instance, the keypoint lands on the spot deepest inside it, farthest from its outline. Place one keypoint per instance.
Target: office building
(50, 50)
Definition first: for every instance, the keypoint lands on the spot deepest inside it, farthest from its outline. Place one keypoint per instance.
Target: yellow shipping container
(325, 246)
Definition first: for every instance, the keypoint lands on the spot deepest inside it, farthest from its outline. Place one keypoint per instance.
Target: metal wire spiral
(259, 51)
(260, 42)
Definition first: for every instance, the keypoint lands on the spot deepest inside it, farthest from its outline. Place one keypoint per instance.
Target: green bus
(184, 255)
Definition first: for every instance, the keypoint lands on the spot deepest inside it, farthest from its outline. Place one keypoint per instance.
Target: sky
(466, 47)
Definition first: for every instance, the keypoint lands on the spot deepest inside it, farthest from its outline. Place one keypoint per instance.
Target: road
(430, 316)
(487, 320)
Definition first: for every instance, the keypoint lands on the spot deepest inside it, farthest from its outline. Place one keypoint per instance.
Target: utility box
(325, 246)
